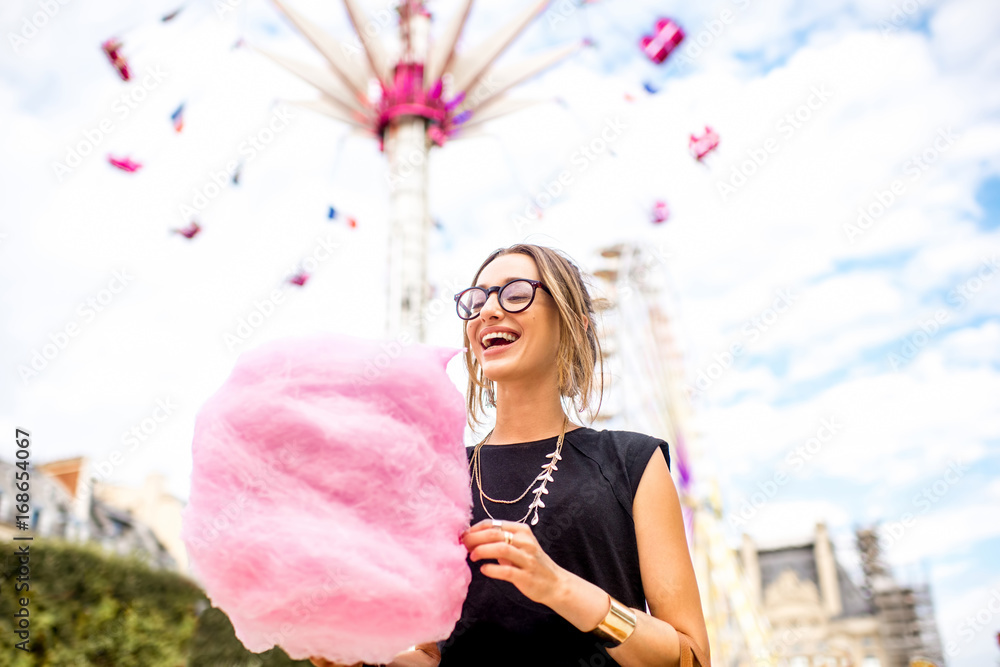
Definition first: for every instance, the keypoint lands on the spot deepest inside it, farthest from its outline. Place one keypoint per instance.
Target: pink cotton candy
(329, 490)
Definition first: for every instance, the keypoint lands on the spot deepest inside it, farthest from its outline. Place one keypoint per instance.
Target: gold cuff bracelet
(617, 625)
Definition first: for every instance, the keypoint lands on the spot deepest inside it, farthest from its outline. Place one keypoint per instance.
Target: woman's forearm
(414, 659)
(584, 604)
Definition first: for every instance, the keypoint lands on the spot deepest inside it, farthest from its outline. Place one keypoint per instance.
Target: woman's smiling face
(536, 329)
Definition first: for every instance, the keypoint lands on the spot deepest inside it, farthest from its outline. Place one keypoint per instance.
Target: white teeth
(498, 334)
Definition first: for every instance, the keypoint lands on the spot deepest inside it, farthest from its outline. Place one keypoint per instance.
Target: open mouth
(494, 342)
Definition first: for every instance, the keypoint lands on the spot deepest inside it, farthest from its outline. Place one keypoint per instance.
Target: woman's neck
(528, 412)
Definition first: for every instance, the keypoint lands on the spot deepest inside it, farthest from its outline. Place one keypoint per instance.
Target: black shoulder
(641, 446)
(635, 450)
(622, 456)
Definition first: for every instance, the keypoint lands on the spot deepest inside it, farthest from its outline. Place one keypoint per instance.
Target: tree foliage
(88, 607)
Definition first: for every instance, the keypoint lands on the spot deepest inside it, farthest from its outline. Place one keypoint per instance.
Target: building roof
(852, 599)
(65, 471)
(801, 559)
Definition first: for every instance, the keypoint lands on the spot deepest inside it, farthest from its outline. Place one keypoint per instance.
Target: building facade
(63, 505)
(818, 616)
(153, 506)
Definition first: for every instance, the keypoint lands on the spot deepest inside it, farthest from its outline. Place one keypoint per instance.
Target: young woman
(575, 531)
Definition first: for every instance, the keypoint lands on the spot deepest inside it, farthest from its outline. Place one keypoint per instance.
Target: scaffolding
(907, 625)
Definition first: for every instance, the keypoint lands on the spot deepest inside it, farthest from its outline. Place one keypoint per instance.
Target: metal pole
(407, 147)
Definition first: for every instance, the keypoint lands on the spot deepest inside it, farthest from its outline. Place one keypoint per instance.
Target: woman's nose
(487, 309)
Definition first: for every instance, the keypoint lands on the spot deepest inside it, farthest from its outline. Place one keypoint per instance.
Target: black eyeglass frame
(535, 284)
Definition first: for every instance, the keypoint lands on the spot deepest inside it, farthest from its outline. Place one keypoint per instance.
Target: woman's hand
(424, 655)
(522, 562)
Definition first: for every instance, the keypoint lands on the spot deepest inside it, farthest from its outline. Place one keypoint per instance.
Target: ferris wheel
(646, 392)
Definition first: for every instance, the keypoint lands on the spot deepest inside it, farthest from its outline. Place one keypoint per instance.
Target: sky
(844, 235)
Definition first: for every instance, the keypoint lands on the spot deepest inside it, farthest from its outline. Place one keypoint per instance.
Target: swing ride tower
(425, 95)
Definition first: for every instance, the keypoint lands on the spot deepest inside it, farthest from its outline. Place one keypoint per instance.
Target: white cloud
(964, 33)
(780, 523)
(954, 568)
(965, 526)
(968, 643)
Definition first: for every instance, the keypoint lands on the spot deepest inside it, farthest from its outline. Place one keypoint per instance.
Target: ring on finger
(508, 537)
(497, 523)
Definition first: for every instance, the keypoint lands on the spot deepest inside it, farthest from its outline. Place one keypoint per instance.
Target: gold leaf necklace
(545, 476)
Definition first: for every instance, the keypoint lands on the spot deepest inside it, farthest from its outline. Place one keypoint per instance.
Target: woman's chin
(496, 369)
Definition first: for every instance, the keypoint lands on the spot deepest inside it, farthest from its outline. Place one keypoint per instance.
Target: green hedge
(88, 607)
(215, 645)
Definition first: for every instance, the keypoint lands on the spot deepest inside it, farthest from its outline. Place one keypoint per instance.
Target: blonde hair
(579, 350)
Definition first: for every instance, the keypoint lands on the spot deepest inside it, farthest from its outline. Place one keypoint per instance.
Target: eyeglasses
(513, 297)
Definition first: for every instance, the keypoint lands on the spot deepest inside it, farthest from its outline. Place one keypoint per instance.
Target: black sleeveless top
(586, 527)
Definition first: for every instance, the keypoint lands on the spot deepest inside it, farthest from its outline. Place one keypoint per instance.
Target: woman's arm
(585, 604)
(424, 655)
(674, 629)
(667, 576)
